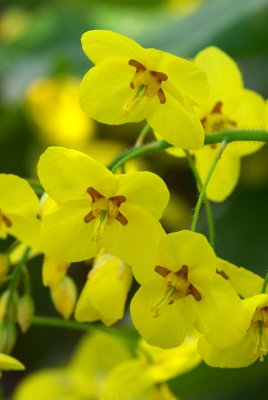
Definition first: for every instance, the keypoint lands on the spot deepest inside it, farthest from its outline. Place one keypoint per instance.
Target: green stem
(78, 326)
(141, 137)
(206, 182)
(16, 277)
(210, 220)
(231, 135)
(265, 283)
(36, 185)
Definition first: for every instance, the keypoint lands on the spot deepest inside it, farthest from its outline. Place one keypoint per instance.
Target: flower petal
(101, 44)
(225, 175)
(220, 315)
(65, 235)
(146, 190)
(27, 230)
(177, 122)
(17, 196)
(66, 175)
(170, 327)
(10, 363)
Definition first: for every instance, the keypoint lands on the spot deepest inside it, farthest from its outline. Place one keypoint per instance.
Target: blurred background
(41, 65)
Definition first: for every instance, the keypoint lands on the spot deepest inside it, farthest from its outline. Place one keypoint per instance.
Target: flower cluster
(189, 301)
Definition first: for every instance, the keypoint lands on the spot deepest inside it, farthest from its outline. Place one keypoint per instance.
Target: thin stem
(210, 220)
(234, 135)
(12, 247)
(142, 135)
(78, 326)
(204, 187)
(36, 185)
(16, 277)
(265, 283)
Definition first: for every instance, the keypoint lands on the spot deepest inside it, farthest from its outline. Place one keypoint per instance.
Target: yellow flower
(19, 208)
(98, 209)
(230, 106)
(8, 363)
(104, 294)
(64, 296)
(54, 106)
(130, 84)
(183, 290)
(252, 346)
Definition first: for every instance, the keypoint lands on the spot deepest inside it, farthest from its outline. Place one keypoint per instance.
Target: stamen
(222, 273)
(183, 272)
(121, 218)
(135, 100)
(89, 217)
(139, 67)
(100, 226)
(160, 76)
(162, 271)
(161, 96)
(155, 309)
(194, 292)
(217, 108)
(94, 194)
(6, 221)
(118, 200)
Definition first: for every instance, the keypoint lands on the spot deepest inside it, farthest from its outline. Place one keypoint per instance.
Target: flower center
(258, 324)
(145, 83)
(176, 286)
(216, 121)
(104, 210)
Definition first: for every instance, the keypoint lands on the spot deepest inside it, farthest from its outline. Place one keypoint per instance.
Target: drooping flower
(19, 208)
(129, 84)
(252, 346)
(97, 209)
(105, 292)
(183, 290)
(229, 106)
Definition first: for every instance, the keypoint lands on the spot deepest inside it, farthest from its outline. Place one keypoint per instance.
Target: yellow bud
(64, 297)
(11, 312)
(4, 265)
(8, 337)
(25, 312)
(53, 271)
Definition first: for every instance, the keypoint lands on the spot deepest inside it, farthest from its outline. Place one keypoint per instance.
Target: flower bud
(53, 271)
(8, 337)
(64, 297)
(10, 313)
(25, 312)
(4, 265)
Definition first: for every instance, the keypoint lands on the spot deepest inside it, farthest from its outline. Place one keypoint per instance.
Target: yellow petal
(26, 229)
(225, 175)
(67, 174)
(101, 44)
(220, 315)
(223, 74)
(53, 271)
(17, 196)
(172, 325)
(64, 297)
(177, 123)
(84, 311)
(65, 235)
(246, 283)
(146, 190)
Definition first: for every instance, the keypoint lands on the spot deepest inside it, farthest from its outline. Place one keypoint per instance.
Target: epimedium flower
(19, 208)
(130, 83)
(99, 210)
(183, 290)
(105, 292)
(252, 346)
(230, 106)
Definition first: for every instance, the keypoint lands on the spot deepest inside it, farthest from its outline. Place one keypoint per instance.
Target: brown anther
(194, 292)
(6, 221)
(160, 76)
(139, 67)
(94, 194)
(217, 108)
(162, 271)
(161, 96)
(121, 218)
(132, 85)
(222, 273)
(213, 146)
(183, 272)
(203, 122)
(89, 217)
(118, 200)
